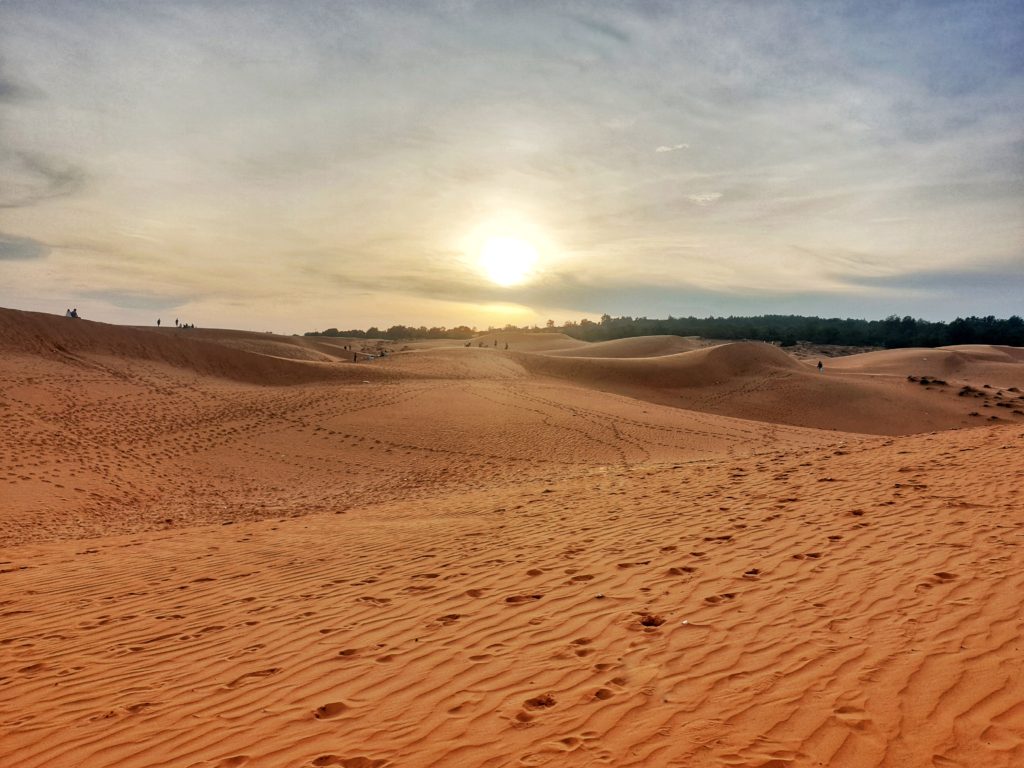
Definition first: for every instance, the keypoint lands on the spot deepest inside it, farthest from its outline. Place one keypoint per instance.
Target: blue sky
(300, 165)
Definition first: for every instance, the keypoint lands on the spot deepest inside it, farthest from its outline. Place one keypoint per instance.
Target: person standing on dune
(820, 366)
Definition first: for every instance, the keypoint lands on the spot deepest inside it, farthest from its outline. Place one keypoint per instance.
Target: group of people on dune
(177, 324)
(480, 344)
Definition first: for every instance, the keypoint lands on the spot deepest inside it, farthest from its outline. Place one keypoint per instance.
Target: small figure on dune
(820, 366)
(506, 345)
(158, 322)
(67, 313)
(176, 323)
(74, 313)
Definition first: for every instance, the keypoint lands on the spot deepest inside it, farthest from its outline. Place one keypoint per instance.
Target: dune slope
(752, 380)
(854, 607)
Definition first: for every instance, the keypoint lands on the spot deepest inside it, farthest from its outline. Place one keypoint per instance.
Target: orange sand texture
(230, 549)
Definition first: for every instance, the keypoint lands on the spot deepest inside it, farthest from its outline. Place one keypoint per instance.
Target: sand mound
(1001, 366)
(273, 345)
(520, 341)
(687, 369)
(84, 342)
(640, 346)
(993, 352)
(752, 380)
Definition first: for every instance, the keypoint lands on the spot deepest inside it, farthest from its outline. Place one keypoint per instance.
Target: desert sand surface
(230, 549)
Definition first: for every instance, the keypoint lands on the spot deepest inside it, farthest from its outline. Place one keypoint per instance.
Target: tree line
(401, 332)
(787, 330)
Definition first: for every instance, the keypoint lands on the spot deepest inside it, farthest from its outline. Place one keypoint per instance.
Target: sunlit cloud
(671, 147)
(705, 198)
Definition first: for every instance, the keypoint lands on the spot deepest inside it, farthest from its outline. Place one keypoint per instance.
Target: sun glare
(507, 260)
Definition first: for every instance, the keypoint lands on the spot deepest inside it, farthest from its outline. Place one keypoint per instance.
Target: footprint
(330, 710)
(350, 762)
(854, 717)
(253, 676)
(715, 599)
(544, 701)
(522, 598)
(680, 570)
(651, 619)
(374, 600)
(603, 693)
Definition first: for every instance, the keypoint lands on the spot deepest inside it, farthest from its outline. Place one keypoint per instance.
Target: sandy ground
(228, 549)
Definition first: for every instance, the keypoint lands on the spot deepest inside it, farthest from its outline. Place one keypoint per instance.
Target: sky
(300, 165)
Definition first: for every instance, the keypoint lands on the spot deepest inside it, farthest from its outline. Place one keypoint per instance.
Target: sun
(507, 261)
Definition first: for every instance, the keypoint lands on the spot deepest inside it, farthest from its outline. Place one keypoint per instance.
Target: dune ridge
(88, 343)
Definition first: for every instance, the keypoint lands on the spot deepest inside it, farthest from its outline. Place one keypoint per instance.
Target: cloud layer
(311, 164)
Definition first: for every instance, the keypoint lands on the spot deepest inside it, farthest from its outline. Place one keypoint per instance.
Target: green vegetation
(396, 332)
(891, 332)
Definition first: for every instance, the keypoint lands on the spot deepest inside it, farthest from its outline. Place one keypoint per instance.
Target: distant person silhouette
(67, 313)
(176, 322)
(74, 313)
(158, 322)
(820, 366)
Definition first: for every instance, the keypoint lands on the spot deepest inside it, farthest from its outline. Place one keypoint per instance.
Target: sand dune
(528, 342)
(983, 363)
(753, 380)
(87, 343)
(466, 557)
(640, 346)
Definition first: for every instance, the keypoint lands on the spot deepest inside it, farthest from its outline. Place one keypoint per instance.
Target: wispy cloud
(21, 248)
(32, 177)
(671, 147)
(705, 198)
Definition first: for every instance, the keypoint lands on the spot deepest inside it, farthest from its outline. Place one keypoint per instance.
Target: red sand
(227, 549)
